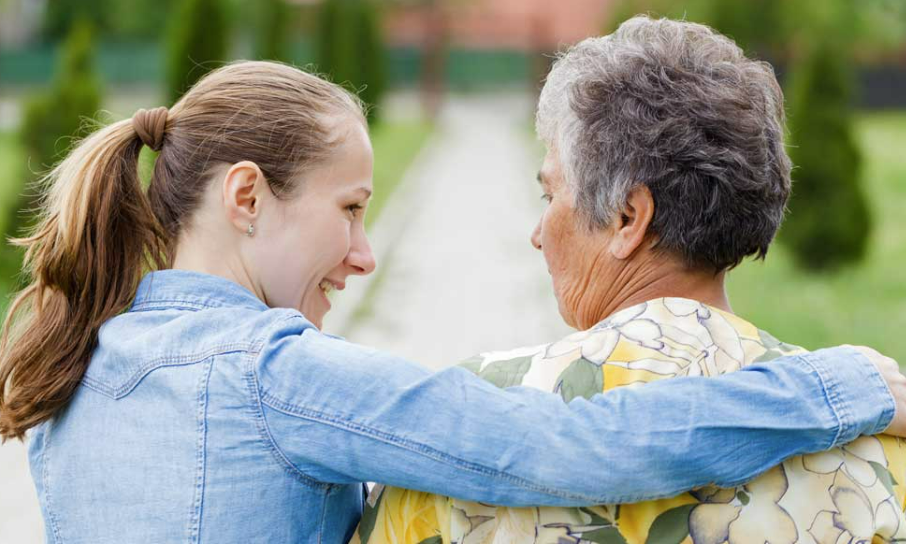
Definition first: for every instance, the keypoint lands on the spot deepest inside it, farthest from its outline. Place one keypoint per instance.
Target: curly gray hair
(679, 108)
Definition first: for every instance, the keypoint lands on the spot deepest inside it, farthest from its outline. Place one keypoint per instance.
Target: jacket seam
(160, 362)
(324, 500)
(415, 447)
(183, 305)
(167, 306)
(833, 399)
(264, 430)
(54, 526)
(201, 453)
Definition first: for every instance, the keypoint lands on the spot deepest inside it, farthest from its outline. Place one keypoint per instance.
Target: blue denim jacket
(207, 417)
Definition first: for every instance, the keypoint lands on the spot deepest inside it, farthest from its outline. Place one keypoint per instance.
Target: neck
(654, 277)
(194, 254)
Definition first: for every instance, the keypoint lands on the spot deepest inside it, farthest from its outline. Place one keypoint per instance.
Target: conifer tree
(197, 43)
(829, 220)
(351, 50)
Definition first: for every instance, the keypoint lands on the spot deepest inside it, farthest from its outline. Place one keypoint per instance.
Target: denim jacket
(205, 416)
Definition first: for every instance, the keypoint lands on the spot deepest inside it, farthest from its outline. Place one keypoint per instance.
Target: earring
(251, 230)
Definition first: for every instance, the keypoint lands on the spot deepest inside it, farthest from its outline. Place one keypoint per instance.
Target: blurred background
(451, 85)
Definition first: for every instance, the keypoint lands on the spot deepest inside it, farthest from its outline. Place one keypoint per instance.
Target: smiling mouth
(327, 286)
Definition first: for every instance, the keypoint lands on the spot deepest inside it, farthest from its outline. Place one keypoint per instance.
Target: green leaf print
(770, 354)
(595, 518)
(369, 517)
(506, 373)
(605, 535)
(581, 378)
(743, 497)
(473, 363)
(771, 343)
(436, 539)
(671, 527)
(884, 475)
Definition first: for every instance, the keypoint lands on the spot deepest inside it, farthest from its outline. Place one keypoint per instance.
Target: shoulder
(295, 360)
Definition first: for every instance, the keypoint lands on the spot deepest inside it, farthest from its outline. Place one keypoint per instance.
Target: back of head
(99, 231)
(677, 107)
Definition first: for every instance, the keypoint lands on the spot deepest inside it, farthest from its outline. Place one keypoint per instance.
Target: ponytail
(96, 236)
(99, 232)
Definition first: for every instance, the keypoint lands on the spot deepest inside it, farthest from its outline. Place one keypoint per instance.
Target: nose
(360, 258)
(536, 236)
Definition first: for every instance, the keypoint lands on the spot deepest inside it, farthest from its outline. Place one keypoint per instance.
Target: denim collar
(176, 288)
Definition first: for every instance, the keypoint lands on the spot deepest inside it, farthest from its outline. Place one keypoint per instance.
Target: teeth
(325, 286)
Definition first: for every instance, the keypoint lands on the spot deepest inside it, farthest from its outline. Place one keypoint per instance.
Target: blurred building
(526, 25)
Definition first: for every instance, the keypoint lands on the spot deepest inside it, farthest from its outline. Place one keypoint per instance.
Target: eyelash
(547, 197)
(354, 209)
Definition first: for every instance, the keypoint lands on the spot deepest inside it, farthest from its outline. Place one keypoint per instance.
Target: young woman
(167, 360)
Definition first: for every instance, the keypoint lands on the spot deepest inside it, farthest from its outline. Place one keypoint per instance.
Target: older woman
(665, 169)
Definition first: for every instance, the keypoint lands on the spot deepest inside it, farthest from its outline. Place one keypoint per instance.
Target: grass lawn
(864, 304)
(395, 146)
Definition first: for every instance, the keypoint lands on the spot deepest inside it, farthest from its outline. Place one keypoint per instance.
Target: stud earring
(251, 230)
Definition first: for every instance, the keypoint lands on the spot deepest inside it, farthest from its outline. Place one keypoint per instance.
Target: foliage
(139, 20)
(690, 10)
(197, 43)
(769, 29)
(829, 221)
(133, 20)
(61, 15)
(53, 120)
(863, 304)
(351, 50)
(274, 20)
(760, 27)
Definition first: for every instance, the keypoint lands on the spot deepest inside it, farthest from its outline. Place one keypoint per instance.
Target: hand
(896, 381)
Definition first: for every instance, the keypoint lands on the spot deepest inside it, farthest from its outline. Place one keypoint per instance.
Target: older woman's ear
(631, 226)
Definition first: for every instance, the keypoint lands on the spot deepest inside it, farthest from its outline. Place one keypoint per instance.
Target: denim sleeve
(335, 412)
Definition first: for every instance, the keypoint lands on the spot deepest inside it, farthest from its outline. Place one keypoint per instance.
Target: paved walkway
(457, 274)
(20, 517)
(461, 275)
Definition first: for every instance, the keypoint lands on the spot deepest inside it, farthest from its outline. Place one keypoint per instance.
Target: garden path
(456, 271)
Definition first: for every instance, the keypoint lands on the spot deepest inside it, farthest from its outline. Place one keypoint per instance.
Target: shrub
(56, 118)
(351, 50)
(60, 16)
(272, 33)
(197, 43)
(829, 221)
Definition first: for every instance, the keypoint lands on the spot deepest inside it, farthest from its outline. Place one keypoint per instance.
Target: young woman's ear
(244, 186)
(631, 227)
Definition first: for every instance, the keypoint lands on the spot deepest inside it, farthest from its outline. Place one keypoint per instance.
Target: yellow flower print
(853, 520)
(596, 344)
(740, 518)
(855, 459)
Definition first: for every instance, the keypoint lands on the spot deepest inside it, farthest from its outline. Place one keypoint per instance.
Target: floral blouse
(850, 494)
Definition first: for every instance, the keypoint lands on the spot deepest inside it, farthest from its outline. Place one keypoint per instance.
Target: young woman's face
(316, 239)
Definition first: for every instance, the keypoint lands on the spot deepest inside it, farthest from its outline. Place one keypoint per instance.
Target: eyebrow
(366, 191)
(540, 178)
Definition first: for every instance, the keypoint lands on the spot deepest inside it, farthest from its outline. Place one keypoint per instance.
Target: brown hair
(99, 231)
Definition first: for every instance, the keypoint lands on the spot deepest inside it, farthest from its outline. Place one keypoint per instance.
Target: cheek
(555, 239)
(284, 267)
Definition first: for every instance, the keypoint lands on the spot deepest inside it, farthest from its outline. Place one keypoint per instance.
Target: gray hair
(676, 107)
